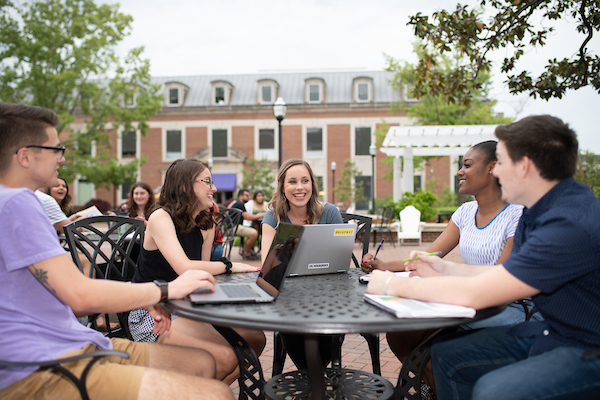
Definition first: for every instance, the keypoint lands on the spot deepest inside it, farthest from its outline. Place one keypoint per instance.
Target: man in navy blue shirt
(555, 260)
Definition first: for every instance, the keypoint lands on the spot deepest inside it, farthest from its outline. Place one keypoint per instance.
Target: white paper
(409, 308)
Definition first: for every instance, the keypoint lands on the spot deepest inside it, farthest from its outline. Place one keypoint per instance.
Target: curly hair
(280, 206)
(132, 206)
(177, 196)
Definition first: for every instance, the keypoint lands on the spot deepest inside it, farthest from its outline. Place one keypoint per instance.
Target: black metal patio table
(310, 305)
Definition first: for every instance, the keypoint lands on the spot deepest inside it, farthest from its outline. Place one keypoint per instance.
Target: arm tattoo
(42, 276)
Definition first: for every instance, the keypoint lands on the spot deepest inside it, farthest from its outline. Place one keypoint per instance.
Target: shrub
(423, 201)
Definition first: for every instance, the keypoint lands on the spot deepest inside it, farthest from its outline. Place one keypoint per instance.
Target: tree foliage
(61, 54)
(258, 175)
(588, 171)
(346, 188)
(514, 25)
(435, 108)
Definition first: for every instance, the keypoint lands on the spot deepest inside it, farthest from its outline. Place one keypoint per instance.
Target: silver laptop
(324, 249)
(270, 278)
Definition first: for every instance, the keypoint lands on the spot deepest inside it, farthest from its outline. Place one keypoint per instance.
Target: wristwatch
(164, 289)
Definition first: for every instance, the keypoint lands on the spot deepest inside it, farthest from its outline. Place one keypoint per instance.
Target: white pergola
(431, 140)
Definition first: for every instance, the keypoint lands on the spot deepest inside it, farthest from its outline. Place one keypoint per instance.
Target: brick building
(331, 116)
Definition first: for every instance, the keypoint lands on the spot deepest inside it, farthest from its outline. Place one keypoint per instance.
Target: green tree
(60, 54)
(514, 26)
(111, 175)
(347, 188)
(258, 175)
(588, 171)
(435, 108)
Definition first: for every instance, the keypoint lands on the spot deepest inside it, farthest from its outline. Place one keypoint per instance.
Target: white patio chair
(411, 226)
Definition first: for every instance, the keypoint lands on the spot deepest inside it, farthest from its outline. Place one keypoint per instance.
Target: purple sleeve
(27, 235)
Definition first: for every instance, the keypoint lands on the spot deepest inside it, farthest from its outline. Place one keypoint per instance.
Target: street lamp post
(372, 152)
(333, 167)
(279, 109)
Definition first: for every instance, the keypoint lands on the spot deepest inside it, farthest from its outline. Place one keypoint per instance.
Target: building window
(266, 143)
(365, 183)
(128, 144)
(84, 144)
(219, 143)
(266, 94)
(125, 188)
(219, 95)
(314, 93)
(363, 92)
(174, 145)
(173, 96)
(362, 141)
(85, 191)
(129, 100)
(314, 142)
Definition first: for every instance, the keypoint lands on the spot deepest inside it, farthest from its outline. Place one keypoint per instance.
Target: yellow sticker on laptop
(343, 232)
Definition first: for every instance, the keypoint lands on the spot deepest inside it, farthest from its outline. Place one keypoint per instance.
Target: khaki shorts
(109, 378)
(244, 231)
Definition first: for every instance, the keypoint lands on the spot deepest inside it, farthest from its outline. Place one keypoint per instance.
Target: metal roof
(338, 86)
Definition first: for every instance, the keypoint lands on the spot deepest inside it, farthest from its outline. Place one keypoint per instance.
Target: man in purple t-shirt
(41, 291)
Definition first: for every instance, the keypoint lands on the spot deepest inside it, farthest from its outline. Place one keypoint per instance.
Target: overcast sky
(197, 37)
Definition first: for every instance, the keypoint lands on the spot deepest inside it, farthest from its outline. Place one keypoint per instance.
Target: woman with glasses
(179, 236)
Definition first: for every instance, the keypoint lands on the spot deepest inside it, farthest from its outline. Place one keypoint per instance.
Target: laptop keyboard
(237, 291)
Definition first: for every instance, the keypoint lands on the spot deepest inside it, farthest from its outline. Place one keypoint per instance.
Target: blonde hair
(280, 206)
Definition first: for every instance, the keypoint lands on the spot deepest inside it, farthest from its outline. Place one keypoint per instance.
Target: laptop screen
(280, 255)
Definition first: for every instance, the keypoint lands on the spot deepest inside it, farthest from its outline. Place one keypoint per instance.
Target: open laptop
(270, 278)
(324, 249)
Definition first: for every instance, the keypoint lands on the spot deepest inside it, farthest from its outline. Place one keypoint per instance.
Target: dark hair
(177, 196)
(488, 149)
(132, 206)
(547, 141)
(242, 191)
(279, 204)
(21, 126)
(65, 203)
(256, 194)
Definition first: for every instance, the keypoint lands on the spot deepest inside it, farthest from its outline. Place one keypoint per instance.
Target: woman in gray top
(296, 201)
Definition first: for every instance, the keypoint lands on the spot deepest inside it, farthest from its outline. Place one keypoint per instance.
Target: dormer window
(175, 93)
(267, 91)
(266, 94)
(173, 96)
(315, 90)
(362, 90)
(221, 93)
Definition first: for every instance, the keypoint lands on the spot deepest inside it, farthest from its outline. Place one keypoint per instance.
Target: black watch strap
(164, 289)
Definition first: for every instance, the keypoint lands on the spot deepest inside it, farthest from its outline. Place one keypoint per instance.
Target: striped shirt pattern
(483, 246)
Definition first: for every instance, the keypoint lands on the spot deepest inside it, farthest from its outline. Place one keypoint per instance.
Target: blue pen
(378, 248)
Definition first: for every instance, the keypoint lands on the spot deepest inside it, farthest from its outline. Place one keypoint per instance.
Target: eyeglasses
(208, 181)
(59, 150)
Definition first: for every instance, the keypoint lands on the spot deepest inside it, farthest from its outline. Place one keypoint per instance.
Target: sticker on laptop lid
(343, 232)
(318, 265)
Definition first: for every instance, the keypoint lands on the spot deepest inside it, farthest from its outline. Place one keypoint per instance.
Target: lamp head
(372, 150)
(279, 109)
(333, 165)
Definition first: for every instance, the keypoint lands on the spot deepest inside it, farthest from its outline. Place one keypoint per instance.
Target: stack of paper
(409, 308)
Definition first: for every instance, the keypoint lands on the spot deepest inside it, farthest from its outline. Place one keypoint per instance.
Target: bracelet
(387, 282)
(227, 263)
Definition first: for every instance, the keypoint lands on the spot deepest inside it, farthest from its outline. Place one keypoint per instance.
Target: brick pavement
(355, 352)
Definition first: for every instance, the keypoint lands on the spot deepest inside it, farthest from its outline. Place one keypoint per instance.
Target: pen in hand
(378, 248)
(435, 253)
